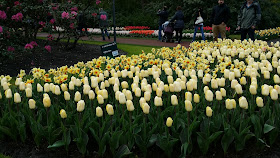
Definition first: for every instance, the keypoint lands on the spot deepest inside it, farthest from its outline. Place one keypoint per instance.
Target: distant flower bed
(268, 33)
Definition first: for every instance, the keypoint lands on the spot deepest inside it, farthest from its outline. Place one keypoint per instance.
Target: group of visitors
(248, 18)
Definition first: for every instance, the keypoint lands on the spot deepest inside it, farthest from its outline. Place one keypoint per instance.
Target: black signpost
(110, 49)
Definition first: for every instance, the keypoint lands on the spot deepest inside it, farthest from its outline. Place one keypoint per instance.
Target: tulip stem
(189, 120)
(145, 130)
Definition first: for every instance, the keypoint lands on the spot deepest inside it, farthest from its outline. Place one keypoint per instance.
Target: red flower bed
(137, 28)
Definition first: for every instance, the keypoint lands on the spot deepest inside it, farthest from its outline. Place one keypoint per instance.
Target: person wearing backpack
(179, 24)
(103, 23)
(219, 19)
(198, 23)
(248, 18)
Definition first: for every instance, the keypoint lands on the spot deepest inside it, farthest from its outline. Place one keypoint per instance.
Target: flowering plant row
(136, 28)
(268, 34)
(224, 92)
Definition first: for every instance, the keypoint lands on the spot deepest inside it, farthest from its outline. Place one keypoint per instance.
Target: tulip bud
(100, 99)
(122, 99)
(86, 89)
(110, 109)
(64, 87)
(47, 102)
(200, 73)
(234, 82)
(57, 90)
(146, 108)
(231, 76)
(129, 105)
(243, 103)
(209, 111)
(171, 88)
(188, 96)
(138, 92)
(147, 96)
(214, 83)
(237, 73)
(205, 89)
(274, 94)
(39, 88)
(5, 86)
(266, 75)
(17, 98)
(196, 98)
(18, 80)
(253, 90)
(169, 122)
(222, 82)
(94, 82)
(276, 79)
(71, 85)
(0, 95)
(177, 86)
(32, 104)
(124, 85)
(77, 96)
(81, 106)
(169, 79)
(158, 101)
(209, 95)
(102, 85)
(166, 88)
(243, 81)
(190, 86)
(265, 90)
(45, 95)
(259, 101)
(104, 93)
(218, 95)
(78, 82)
(174, 100)
(63, 114)
(188, 105)
(229, 104)
(238, 89)
(28, 92)
(66, 95)
(21, 86)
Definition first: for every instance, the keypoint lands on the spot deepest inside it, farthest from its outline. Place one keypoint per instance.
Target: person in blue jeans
(163, 17)
(198, 23)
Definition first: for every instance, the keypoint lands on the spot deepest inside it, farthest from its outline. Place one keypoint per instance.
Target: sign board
(110, 49)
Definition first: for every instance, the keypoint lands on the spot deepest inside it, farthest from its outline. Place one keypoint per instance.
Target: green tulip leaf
(267, 128)
(152, 140)
(227, 139)
(123, 151)
(57, 144)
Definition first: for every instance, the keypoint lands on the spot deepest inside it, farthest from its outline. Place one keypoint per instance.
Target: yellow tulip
(276, 79)
(219, 95)
(238, 89)
(253, 90)
(124, 85)
(259, 101)
(64, 87)
(110, 109)
(39, 88)
(47, 102)
(158, 101)
(188, 96)
(21, 86)
(63, 114)
(86, 89)
(209, 111)
(274, 94)
(146, 108)
(17, 98)
(81, 106)
(147, 96)
(188, 105)
(214, 83)
(243, 81)
(243, 103)
(169, 122)
(209, 95)
(196, 98)
(99, 111)
(32, 104)
(174, 100)
(77, 96)
(265, 90)
(28, 92)
(57, 90)
(18, 80)
(5, 86)
(122, 99)
(100, 99)
(166, 88)
(129, 105)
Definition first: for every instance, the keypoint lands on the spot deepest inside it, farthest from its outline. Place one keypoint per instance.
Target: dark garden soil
(56, 58)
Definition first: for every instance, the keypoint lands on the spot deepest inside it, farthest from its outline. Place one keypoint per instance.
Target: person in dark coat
(179, 24)
(198, 24)
(103, 23)
(82, 23)
(248, 18)
(163, 16)
(219, 19)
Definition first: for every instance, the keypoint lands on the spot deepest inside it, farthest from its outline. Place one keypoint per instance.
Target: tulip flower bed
(268, 34)
(183, 100)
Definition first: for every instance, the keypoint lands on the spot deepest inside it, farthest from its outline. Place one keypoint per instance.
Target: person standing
(248, 19)
(219, 19)
(179, 24)
(198, 23)
(103, 23)
(163, 16)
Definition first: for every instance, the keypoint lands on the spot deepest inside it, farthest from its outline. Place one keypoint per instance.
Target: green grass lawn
(3, 156)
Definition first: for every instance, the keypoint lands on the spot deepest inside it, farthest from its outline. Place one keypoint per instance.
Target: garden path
(146, 42)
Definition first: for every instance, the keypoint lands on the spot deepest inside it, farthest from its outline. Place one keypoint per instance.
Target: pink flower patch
(97, 2)
(74, 9)
(3, 15)
(43, 24)
(65, 15)
(1, 29)
(94, 14)
(48, 48)
(52, 21)
(55, 8)
(28, 46)
(73, 13)
(16, 3)
(103, 17)
(10, 49)
(71, 26)
(33, 43)
(50, 37)
(17, 17)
